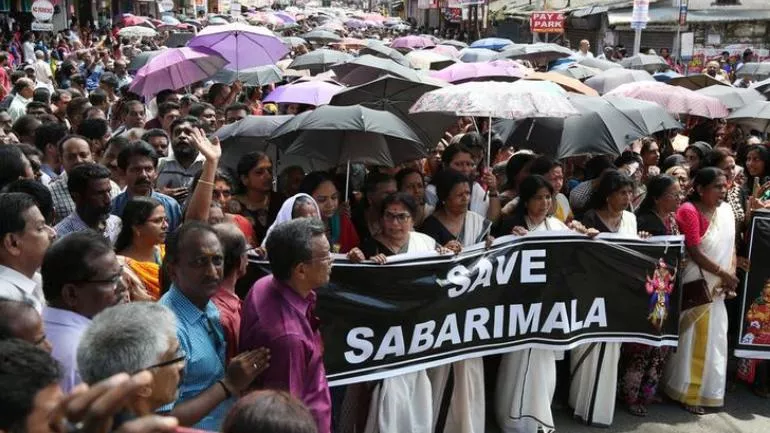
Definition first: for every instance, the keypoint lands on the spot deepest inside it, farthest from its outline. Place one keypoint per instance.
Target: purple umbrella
(499, 70)
(311, 92)
(355, 24)
(244, 46)
(412, 42)
(286, 18)
(175, 68)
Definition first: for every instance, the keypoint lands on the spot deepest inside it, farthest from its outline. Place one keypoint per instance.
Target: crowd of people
(124, 247)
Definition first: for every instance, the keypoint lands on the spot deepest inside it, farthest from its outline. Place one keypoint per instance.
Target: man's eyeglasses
(113, 280)
(181, 357)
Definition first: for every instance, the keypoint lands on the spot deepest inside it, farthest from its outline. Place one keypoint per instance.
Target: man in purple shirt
(278, 313)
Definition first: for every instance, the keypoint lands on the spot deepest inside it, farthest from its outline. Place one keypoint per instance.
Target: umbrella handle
(347, 183)
(489, 143)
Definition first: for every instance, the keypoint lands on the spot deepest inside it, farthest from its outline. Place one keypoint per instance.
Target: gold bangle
(205, 182)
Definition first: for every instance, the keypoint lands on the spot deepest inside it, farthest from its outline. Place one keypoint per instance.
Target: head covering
(285, 214)
(702, 147)
(672, 161)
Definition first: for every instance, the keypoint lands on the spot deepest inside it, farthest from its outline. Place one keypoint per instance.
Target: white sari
(458, 404)
(404, 403)
(697, 371)
(526, 380)
(594, 367)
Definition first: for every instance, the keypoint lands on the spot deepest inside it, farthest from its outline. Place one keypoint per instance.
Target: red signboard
(546, 22)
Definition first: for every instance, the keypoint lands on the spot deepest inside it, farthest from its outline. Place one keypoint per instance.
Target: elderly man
(194, 260)
(279, 314)
(42, 69)
(119, 341)
(584, 52)
(89, 186)
(24, 90)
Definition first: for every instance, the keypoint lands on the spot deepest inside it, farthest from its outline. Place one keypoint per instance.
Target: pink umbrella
(675, 99)
(446, 50)
(412, 42)
(498, 70)
(311, 92)
(176, 68)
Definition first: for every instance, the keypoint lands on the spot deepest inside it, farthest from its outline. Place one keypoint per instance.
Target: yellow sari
(149, 272)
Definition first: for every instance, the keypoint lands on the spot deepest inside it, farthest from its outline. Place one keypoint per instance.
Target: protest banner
(754, 333)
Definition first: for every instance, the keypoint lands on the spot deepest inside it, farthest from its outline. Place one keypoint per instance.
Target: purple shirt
(275, 316)
(64, 329)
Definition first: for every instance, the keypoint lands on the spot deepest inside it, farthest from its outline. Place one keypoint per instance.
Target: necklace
(531, 226)
(612, 226)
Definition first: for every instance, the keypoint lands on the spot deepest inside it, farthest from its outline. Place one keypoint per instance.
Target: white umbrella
(137, 32)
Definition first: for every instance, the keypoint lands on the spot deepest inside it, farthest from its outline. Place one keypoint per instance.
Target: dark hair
(97, 97)
(646, 143)
(302, 200)
(289, 244)
(237, 107)
(163, 95)
(42, 95)
(197, 109)
(219, 175)
(166, 107)
(49, 133)
(764, 155)
(70, 259)
(445, 180)
(529, 188)
(596, 166)
(269, 411)
(399, 198)
(403, 173)
(155, 132)
(10, 311)
(126, 108)
(451, 151)
(12, 164)
(77, 107)
(37, 104)
(175, 240)
(473, 140)
(610, 182)
(136, 212)
(703, 177)
(68, 137)
(26, 125)
(515, 165)
(246, 163)
(193, 121)
(136, 149)
(80, 175)
(374, 179)
(313, 180)
(93, 129)
(214, 91)
(39, 193)
(628, 157)
(672, 161)
(25, 370)
(542, 165)
(57, 94)
(656, 187)
(716, 157)
(233, 245)
(13, 205)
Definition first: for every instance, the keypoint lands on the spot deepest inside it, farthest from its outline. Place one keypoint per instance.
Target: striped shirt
(203, 340)
(63, 205)
(73, 223)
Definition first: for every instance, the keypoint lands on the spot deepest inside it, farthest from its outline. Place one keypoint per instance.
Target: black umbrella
(695, 82)
(319, 60)
(178, 39)
(648, 116)
(320, 36)
(141, 59)
(367, 68)
(246, 135)
(381, 50)
(396, 95)
(259, 76)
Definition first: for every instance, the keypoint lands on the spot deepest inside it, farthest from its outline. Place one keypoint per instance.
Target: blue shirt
(173, 211)
(203, 340)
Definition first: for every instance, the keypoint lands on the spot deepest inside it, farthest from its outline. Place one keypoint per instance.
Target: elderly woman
(298, 206)
(340, 230)
(681, 174)
(696, 373)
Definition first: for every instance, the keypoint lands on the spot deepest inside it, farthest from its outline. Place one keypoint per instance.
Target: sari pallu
(697, 371)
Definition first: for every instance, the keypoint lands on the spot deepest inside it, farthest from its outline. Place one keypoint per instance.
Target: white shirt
(28, 51)
(43, 72)
(580, 56)
(16, 286)
(18, 107)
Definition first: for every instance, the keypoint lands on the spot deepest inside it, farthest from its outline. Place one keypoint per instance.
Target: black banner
(550, 290)
(754, 333)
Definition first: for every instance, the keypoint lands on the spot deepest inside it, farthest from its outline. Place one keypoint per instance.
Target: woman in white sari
(696, 373)
(297, 206)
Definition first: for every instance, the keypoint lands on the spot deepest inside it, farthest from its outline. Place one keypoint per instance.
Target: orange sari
(149, 272)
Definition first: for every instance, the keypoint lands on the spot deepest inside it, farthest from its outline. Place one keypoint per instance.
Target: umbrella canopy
(425, 59)
(666, 77)
(496, 99)
(569, 84)
(243, 46)
(732, 97)
(762, 87)
(179, 39)
(695, 82)
(246, 135)
(576, 71)
(319, 60)
(381, 50)
(175, 68)
(446, 50)
(612, 78)
(492, 43)
(169, 19)
(321, 37)
(259, 76)
(367, 68)
(676, 100)
(648, 116)
(217, 21)
(141, 59)
(470, 55)
(349, 134)
(293, 41)
(646, 62)
(498, 70)
(453, 43)
(137, 32)
(755, 116)
(129, 20)
(397, 95)
(311, 92)
(541, 53)
(412, 42)
(601, 64)
(759, 70)
(355, 24)
(599, 129)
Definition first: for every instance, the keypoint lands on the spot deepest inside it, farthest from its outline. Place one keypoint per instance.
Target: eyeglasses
(398, 217)
(113, 280)
(181, 356)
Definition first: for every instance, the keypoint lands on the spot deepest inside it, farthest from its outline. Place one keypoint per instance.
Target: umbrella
(569, 84)
(380, 50)
(446, 50)
(259, 76)
(312, 93)
(217, 21)
(676, 100)
(754, 70)
(732, 97)
(349, 134)
(319, 60)
(397, 95)
(321, 37)
(697, 81)
(170, 20)
(424, 59)
(293, 41)
(755, 116)
(471, 55)
(352, 42)
(412, 42)
(137, 32)
(129, 20)
(243, 46)
(141, 59)
(453, 43)
(599, 129)
(648, 116)
(601, 64)
(355, 24)
(492, 43)
(179, 39)
(576, 71)
(498, 70)
(175, 68)
(367, 68)
(646, 62)
(612, 78)
(246, 135)
(762, 87)
(537, 53)
(666, 77)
